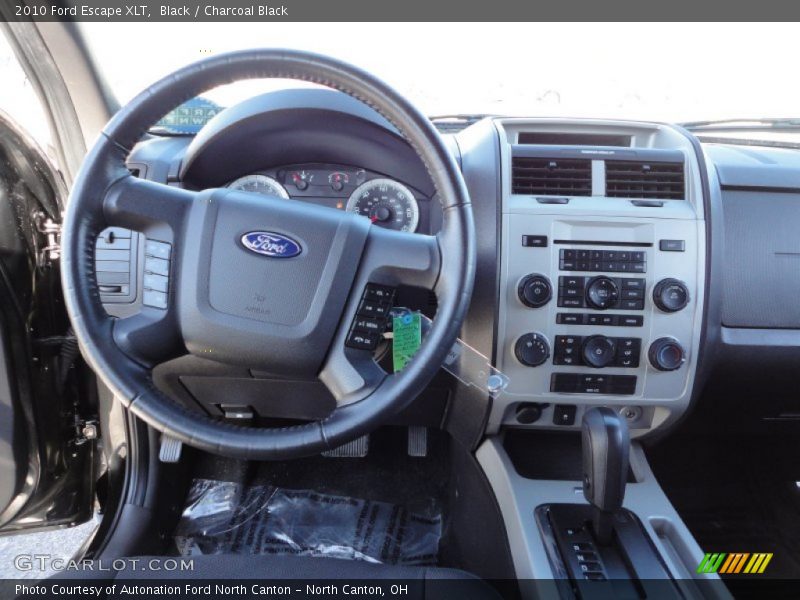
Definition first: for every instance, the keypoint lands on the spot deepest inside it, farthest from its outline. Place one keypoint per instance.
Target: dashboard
(619, 263)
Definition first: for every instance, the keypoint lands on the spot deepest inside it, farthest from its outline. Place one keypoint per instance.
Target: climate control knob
(598, 351)
(671, 295)
(535, 290)
(602, 293)
(666, 354)
(532, 349)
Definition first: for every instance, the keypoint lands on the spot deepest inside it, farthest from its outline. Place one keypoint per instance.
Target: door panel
(46, 396)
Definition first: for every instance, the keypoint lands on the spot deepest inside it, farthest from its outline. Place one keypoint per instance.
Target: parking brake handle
(606, 445)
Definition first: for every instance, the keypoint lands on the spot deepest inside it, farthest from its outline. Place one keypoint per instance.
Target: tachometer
(386, 203)
(259, 184)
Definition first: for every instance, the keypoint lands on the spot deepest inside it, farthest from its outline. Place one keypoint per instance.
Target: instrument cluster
(386, 202)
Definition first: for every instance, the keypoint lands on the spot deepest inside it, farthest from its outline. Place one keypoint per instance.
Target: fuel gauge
(301, 179)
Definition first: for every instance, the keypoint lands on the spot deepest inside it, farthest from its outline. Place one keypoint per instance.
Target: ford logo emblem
(271, 244)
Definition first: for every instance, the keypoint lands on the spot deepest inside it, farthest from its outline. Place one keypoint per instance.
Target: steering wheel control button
(370, 308)
(602, 293)
(598, 351)
(156, 273)
(532, 349)
(378, 293)
(154, 299)
(534, 241)
(372, 317)
(671, 295)
(155, 282)
(672, 245)
(369, 325)
(157, 249)
(564, 414)
(666, 354)
(159, 266)
(534, 291)
(362, 340)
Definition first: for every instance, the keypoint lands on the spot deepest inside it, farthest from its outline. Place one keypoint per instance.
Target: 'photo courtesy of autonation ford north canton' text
(357, 299)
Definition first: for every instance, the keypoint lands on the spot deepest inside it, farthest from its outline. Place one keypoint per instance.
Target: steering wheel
(284, 303)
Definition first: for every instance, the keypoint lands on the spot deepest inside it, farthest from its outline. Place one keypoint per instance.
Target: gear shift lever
(606, 443)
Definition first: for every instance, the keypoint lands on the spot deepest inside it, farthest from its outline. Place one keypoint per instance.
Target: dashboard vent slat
(636, 179)
(549, 176)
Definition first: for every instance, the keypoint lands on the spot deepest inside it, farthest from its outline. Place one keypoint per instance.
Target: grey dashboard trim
(712, 308)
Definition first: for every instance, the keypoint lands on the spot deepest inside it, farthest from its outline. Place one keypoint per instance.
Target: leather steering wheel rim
(95, 202)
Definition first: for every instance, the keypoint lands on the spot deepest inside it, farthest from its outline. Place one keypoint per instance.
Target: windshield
(661, 72)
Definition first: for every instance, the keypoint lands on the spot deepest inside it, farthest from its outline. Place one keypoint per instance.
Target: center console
(602, 271)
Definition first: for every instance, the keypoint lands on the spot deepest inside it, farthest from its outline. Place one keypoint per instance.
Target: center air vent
(634, 179)
(550, 176)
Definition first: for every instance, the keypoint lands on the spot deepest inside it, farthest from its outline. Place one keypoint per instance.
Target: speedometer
(259, 184)
(387, 203)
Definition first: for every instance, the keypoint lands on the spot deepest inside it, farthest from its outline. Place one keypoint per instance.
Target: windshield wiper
(772, 124)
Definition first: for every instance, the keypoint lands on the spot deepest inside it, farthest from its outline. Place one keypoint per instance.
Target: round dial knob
(532, 349)
(602, 293)
(671, 295)
(598, 351)
(666, 354)
(535, 290)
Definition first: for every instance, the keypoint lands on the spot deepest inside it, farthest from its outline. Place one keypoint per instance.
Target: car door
(48, 431)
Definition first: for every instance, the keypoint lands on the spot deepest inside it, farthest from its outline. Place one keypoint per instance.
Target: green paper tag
(407, 338)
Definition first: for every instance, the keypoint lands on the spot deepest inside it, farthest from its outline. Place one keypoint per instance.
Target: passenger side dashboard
(602, 271)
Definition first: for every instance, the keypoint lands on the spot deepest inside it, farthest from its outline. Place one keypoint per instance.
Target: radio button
(633, 284)
(568, 265)
(570, 318)
(534, 291)
(638, 267)
(628, 294)
(671, 295)
(632, 305)
(602, 293)
(570, 302)
(630, 320)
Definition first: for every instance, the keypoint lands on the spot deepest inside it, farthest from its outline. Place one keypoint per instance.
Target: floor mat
(736, 495)
(229, 517)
